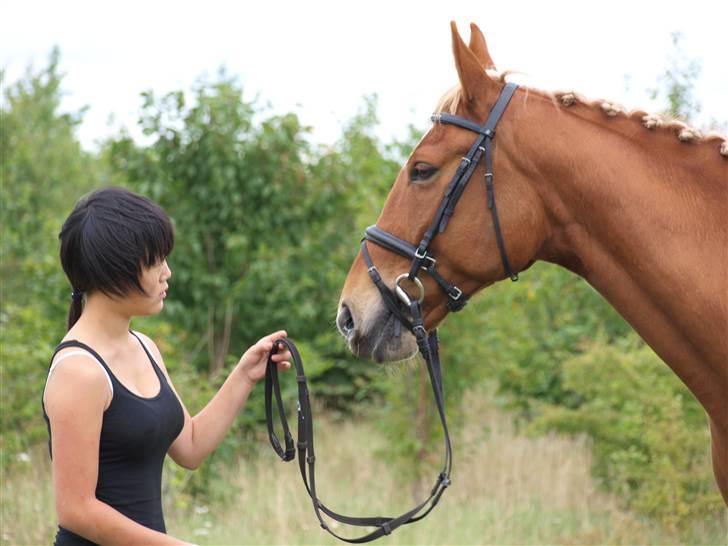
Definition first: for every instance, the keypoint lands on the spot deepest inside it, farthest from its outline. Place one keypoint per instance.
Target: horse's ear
(472, 76)
(479, 47)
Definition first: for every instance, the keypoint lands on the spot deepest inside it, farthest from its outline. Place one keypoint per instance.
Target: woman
(111, 409)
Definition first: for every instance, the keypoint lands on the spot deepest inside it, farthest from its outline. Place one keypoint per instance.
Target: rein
(408, 313)
(307, 458)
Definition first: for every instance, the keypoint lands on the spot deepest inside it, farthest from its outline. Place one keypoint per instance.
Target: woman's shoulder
(77, 374)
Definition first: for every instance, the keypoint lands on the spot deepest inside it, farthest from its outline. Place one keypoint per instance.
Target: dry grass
(27, 510)
(507, 489)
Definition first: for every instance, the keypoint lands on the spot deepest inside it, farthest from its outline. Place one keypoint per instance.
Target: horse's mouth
(384, 341)
(394, 342)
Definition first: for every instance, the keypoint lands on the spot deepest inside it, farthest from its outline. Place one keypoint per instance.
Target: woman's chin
(149, 310)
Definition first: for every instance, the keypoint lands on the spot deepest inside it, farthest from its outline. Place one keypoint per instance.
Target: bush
(651, 439)
(24, 367)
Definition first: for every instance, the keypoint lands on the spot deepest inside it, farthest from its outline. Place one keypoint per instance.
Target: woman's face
(154, 282)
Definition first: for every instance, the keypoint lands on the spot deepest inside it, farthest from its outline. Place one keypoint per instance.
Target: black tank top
(136, 433)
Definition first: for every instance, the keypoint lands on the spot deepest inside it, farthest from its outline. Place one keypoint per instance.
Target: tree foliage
(676, 84)
(43, 170)
(41, 161)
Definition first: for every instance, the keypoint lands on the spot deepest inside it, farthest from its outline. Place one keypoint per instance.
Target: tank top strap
(80, 345)
(148, 351)
(65, 345)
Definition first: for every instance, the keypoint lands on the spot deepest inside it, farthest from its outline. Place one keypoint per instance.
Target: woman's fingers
(275, 335)
(279, 357)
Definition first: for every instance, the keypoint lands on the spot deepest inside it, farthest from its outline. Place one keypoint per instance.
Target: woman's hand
(253, 362)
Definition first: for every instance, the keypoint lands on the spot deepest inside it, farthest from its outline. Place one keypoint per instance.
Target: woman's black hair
(111, 235)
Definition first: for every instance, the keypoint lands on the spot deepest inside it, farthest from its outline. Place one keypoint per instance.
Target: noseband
(411, 317)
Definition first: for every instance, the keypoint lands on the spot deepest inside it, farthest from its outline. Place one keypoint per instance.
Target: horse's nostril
(345, 321)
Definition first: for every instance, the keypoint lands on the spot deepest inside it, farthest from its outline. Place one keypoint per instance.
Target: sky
(320, 58)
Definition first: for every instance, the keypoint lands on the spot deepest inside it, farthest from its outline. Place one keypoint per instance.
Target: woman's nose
(166, 271)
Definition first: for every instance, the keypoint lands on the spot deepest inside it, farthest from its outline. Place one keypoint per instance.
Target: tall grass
(507, 489)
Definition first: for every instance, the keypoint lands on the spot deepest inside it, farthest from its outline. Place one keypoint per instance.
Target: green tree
(44, 170)
(231, 186)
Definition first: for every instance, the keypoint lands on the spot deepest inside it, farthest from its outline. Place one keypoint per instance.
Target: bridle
(420, 256)
(408, 312)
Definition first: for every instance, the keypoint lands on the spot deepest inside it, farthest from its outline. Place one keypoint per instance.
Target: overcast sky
(320, 58)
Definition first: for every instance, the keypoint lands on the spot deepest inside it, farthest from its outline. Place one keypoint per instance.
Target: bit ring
(402, 293)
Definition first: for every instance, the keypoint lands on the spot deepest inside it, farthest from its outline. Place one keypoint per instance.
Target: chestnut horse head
(468, 253)
(636, 204)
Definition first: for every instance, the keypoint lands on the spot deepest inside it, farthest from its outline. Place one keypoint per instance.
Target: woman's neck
(102, 320)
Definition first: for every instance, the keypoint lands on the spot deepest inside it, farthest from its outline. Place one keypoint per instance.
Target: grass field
(507, 489)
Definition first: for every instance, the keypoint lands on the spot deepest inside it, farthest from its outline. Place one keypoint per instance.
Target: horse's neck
(651, 237)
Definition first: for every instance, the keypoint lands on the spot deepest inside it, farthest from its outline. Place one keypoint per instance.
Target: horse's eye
(421, 171)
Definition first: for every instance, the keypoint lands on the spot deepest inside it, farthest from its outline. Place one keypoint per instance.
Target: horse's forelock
(450, 101)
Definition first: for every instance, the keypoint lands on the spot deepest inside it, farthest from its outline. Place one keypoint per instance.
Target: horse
(635, 204)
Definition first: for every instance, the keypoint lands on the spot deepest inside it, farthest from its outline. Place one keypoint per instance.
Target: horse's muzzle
(378, 336)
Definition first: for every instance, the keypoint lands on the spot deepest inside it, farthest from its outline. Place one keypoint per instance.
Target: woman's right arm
(75, 399)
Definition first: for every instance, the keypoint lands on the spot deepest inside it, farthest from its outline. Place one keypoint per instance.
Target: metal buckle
(432, 262)
(457, 291)
(402, 293)
(420, 256)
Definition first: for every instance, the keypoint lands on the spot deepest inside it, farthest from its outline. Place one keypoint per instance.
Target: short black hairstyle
(106, 241)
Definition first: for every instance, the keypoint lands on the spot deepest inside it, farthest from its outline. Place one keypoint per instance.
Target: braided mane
(564, 99)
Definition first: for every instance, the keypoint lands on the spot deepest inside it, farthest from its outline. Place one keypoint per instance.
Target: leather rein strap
(407, 312)
(383, 525)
